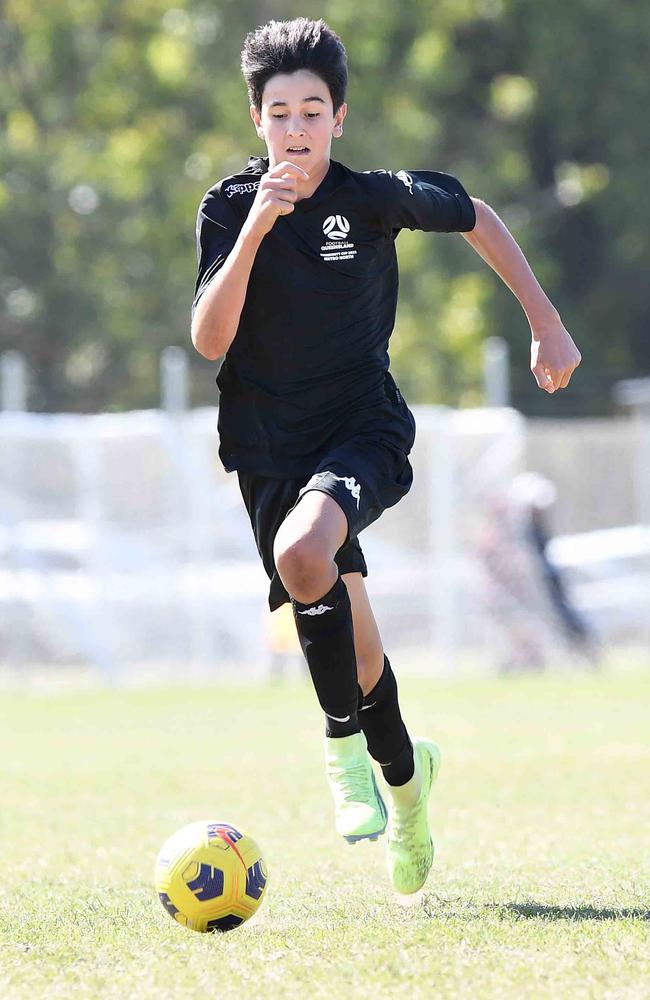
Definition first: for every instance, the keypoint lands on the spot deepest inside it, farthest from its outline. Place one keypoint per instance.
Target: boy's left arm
(553, 354)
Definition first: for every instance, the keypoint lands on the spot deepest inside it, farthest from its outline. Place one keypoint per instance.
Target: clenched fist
(553, 354)
(276, 195)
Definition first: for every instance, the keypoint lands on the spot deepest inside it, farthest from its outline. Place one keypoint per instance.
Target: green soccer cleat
(410, 847)
(360, 810)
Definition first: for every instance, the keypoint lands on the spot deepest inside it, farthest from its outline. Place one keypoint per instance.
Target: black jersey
(308, 367)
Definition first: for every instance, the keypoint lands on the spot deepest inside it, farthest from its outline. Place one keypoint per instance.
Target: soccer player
(297, 291)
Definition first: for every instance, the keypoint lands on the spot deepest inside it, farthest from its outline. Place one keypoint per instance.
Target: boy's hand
(276, 195)
(553, 354)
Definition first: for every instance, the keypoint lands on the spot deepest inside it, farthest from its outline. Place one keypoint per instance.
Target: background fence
(125, 548)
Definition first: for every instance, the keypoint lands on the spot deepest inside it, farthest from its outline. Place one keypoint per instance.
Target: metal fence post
(496, 372)
(174, 380)
(13, 382)
(635, 394)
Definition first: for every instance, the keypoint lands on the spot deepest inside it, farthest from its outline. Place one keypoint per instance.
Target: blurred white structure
(496, 372)
(13, 381)
(634, 394)
(124, 546)
(174, 380)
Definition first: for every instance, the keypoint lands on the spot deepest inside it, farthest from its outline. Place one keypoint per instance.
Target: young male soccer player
(297, 288)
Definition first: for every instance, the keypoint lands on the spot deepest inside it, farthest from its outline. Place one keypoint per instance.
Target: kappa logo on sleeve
(336, 229)
(402, 175)
(406, 179)
(250, 187)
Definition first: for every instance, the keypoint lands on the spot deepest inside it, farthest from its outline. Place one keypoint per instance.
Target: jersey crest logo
(336, 227)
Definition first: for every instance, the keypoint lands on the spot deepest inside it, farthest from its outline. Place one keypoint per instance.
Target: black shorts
(363, 475)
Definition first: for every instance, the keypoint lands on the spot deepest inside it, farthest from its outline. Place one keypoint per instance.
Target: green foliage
(115, 118)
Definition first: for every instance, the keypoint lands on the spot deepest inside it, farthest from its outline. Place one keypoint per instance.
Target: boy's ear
(257, 121)
(340, 115)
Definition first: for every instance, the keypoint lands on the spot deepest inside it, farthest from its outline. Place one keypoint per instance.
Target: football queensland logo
(337, 246)
(336, 227)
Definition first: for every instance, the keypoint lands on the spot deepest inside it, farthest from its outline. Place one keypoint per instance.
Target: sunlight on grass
(541, 819)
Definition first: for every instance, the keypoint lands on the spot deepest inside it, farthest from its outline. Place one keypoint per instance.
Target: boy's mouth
(298, 150)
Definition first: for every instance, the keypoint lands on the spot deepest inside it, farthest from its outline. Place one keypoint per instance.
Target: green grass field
(541, 816)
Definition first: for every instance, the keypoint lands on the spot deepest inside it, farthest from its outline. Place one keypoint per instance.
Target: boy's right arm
(217, 314)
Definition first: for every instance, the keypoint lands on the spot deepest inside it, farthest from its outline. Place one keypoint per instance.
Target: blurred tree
(116, 117)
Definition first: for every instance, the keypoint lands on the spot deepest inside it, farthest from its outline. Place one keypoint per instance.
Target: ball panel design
(207, 884)
(255, 880)
(225, 831)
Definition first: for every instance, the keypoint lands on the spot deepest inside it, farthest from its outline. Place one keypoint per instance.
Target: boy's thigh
(364, 476)
(268, 501)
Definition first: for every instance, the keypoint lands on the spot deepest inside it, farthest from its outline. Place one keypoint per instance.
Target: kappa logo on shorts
(320, 610)
(352, 485)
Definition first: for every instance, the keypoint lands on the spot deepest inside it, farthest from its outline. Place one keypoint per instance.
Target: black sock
(327, 640)
(384, 729)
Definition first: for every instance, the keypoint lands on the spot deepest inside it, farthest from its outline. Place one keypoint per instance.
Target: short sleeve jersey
(308, 368)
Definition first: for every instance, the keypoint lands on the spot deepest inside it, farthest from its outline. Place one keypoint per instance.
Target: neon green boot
(410, 847)
(360, 810)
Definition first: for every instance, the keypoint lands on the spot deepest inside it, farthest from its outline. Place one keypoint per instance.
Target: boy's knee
(304, 567)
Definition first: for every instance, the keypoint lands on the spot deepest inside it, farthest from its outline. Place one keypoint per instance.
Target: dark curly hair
(288, 46)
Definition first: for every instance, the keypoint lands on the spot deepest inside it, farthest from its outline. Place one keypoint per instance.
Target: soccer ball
(210, 877)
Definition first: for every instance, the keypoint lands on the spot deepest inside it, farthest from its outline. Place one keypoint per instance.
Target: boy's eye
(310, 114)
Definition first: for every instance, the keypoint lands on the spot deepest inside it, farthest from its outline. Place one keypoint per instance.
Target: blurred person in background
(535, 496)
(523, 590)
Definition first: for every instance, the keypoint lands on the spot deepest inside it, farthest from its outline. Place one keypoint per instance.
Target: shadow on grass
(537, 910)
(434, 905)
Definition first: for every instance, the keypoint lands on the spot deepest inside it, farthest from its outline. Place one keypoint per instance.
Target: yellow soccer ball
(210, 876)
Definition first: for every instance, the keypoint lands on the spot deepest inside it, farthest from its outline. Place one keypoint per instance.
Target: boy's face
(297, 121)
